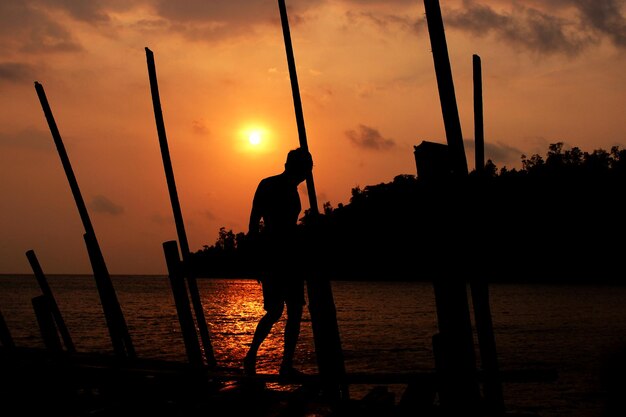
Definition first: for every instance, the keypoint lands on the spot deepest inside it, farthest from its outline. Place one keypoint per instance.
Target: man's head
(299, 163)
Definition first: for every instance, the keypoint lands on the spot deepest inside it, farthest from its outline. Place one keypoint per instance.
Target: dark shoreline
(614, 281)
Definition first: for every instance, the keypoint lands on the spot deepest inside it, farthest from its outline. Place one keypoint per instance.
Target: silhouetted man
(273, 225)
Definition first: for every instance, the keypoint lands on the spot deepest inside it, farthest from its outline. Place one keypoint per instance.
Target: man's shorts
(277, 292)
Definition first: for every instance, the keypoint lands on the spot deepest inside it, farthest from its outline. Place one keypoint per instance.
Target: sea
(385, 327)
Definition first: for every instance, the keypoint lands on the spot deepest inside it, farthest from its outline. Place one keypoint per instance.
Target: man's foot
(249, 365)
(289, 372)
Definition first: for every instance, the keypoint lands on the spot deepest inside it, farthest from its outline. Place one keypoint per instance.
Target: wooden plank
(94, 362)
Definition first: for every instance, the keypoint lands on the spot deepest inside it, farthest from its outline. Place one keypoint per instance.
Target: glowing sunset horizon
(551, 73)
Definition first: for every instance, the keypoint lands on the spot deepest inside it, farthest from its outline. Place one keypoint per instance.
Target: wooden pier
(40, 381)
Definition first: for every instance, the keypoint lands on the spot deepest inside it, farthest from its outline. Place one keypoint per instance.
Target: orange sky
(550, 73)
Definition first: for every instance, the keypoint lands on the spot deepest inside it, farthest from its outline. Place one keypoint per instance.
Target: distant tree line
(557, 219)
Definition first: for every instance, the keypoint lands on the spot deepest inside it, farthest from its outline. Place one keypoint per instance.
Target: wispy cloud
(369, 138)
(544, 28)
(30, 138)
(25, 26)
(200, 127)
(208, 215)
(606, 17)
(387, 22)
(500, 153)
(202, 20)
(16, 72)
(102, 204)
(524, 27)
(92, 11)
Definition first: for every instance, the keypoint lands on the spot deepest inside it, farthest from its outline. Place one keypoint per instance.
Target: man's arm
(256, 212)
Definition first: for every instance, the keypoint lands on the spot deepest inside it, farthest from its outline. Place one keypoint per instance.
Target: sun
(254, 137)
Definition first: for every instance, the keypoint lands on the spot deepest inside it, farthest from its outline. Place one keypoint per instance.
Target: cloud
(29, 138)
(162, 219)
(525, 27)
(606, 17)
(203, 20)
(199, 127)
(91, 11)
(15, 72)
(500, 153)
(369, 138)
(101, 204)
(387, 22)
(250, 11)
(26, 28)
(208, 215)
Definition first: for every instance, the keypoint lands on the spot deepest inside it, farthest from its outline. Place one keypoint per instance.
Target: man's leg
(261, 332)
(292, 333)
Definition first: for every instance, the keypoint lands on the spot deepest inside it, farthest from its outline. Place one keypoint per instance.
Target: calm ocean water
(384, 326)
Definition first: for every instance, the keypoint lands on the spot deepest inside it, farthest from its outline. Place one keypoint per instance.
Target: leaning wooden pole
(445, 83)
(454, 344)
(118, 331)
(328, 349)
(479, 132)
(42, 305)
(54, 307)
(181, 301)
(178, 216)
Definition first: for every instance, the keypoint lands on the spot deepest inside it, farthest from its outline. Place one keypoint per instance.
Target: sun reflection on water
(234, 313)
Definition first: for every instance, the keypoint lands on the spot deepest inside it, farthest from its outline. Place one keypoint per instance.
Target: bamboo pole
(328, 349)
(120, 338)
(455, 355)
(178, 217)
(45, 319)
(445, 83)
(492, 386)
(54, 307)
(479, 133)
(297, 101)
(181, 300)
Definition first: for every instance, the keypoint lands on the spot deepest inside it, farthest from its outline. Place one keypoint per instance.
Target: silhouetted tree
(555, 218)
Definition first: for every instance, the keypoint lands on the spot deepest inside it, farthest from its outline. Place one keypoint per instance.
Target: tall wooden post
(492, 385)
(479, 134)
(120, 338)
(328, 349)
(454, 344)
(178, 216)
